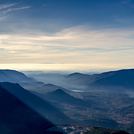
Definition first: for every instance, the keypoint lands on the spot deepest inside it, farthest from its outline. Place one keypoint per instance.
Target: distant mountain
(25, 81)
(17, 117)
(13, 76)
(113, 79)
(19, 77)
(61, 96)
(78, 78)
(39, 105)
(48, 77)
(121, 78)
(49, 88)
(78, 81)
(76, 75)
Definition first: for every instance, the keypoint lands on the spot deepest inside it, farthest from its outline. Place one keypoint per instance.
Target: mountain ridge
(17, 118)
(43, 107)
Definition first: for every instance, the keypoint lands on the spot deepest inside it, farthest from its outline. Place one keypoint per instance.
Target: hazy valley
(80, 100)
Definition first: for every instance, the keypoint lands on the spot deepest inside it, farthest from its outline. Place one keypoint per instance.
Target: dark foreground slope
(18, 118)
(43, 107)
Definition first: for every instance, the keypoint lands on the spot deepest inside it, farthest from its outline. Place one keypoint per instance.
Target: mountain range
(121, 79)
(78, 98)
(26, 82)
(113, 79)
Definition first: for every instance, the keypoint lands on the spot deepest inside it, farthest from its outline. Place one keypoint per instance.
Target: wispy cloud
(5, 9)
(13, 9)
(6, 6)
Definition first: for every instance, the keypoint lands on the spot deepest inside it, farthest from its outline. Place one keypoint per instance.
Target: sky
(63, 35)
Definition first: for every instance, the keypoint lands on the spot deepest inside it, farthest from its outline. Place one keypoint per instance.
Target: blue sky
(67, 13)
(67, 34)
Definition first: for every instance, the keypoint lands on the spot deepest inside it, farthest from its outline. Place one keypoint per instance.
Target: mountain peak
(10, 71)
(122, 71)
(120, 78)
(59, 91)
(76, 75)
(12, 76)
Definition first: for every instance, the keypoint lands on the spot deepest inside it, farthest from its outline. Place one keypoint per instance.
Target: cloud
(7, 6)
(5, 9)
(13, 9)
(75, 45)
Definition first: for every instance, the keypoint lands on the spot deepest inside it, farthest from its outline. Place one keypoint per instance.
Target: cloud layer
(75, 45)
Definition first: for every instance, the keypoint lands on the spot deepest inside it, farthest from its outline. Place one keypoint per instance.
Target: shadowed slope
(18, 118)
(43, 107)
